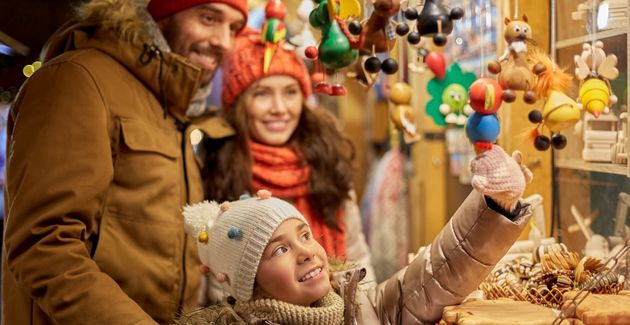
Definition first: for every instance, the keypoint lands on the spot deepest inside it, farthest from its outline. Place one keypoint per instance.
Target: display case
(592, 173)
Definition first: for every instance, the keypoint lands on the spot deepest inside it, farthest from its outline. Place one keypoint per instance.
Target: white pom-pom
(200, 216)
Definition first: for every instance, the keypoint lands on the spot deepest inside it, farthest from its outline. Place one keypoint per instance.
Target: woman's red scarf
(281, 171)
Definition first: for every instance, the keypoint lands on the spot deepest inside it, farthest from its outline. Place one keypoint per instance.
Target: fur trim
(129, 18)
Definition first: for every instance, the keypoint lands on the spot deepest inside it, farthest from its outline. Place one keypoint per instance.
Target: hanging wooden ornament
(558, 112)
(335, 50)
(449, 97)
(401, 112)
(436, 21)
(517, 67)
(595, 69)
(482, 126)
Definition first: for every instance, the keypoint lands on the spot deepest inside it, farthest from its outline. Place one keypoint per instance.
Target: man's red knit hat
(244, 65)
(163, 8)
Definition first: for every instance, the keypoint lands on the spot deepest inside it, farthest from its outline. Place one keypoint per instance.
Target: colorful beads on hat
(234, 233)
(224, 206)
(263, 194)
(203, 237)
(244, 197)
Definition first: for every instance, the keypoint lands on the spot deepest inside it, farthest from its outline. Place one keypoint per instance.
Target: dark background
(30, 22)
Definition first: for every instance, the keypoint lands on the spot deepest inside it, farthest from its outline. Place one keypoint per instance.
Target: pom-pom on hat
(160, 9)
(246, 64)
(232, 236)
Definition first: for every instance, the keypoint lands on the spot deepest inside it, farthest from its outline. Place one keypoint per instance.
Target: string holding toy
(485, 96)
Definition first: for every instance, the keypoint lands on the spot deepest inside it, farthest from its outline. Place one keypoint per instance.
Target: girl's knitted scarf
(329, 310)
(282, 171)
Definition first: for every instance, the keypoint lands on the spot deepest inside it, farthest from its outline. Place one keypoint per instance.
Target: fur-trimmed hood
(129, 18)
(126, 31)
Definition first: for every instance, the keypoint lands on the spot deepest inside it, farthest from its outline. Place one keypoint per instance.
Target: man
(100, 163)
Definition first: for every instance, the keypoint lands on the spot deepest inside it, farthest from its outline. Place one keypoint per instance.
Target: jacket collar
(124, 30)
(172, 78)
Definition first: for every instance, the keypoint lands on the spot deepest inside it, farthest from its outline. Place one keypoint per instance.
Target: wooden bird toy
(517, 67)
(595, 69)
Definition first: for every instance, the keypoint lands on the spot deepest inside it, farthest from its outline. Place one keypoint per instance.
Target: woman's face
(294, 266)
(273, 105)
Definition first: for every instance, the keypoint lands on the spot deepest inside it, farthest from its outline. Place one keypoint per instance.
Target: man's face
(203, 34)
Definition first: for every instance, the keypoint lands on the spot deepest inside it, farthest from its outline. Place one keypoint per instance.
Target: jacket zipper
(182, 127)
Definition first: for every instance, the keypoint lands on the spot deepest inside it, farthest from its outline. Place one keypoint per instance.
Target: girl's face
(294, 266)
(273, 105)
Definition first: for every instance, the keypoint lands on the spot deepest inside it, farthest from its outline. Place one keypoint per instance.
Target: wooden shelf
(592, 167)
(587, 38)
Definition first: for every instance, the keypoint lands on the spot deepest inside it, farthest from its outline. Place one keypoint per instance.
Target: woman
(297, 152)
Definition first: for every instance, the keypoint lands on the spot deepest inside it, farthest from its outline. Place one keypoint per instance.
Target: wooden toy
(618, 153)
(273, 30)
(559, 111)
(376, 27)
(482, 127)
(595, 69)
(435, 20)
(515, 67)
(401, 114)
(335, 50)
(600, 136)
(436, 62)
(376, 35)
(449, 97)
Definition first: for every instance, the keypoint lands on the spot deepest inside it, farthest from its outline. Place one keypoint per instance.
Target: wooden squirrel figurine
(516, 67)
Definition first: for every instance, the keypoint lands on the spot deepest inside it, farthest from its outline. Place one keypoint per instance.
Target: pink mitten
(500, 177)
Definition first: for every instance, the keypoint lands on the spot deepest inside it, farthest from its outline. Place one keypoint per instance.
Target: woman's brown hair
(227, 171)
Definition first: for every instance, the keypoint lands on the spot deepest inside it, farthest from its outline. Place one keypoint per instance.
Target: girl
(263, 251)
(282, 145)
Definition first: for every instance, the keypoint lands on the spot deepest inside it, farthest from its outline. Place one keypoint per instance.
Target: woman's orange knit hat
(244, 65)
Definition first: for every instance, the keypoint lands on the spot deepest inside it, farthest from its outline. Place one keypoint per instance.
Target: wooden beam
(16, 46)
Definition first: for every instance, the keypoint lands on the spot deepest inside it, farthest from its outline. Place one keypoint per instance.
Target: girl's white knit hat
(232, 237)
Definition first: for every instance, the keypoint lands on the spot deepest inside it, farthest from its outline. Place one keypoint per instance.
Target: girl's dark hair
(227, 171)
